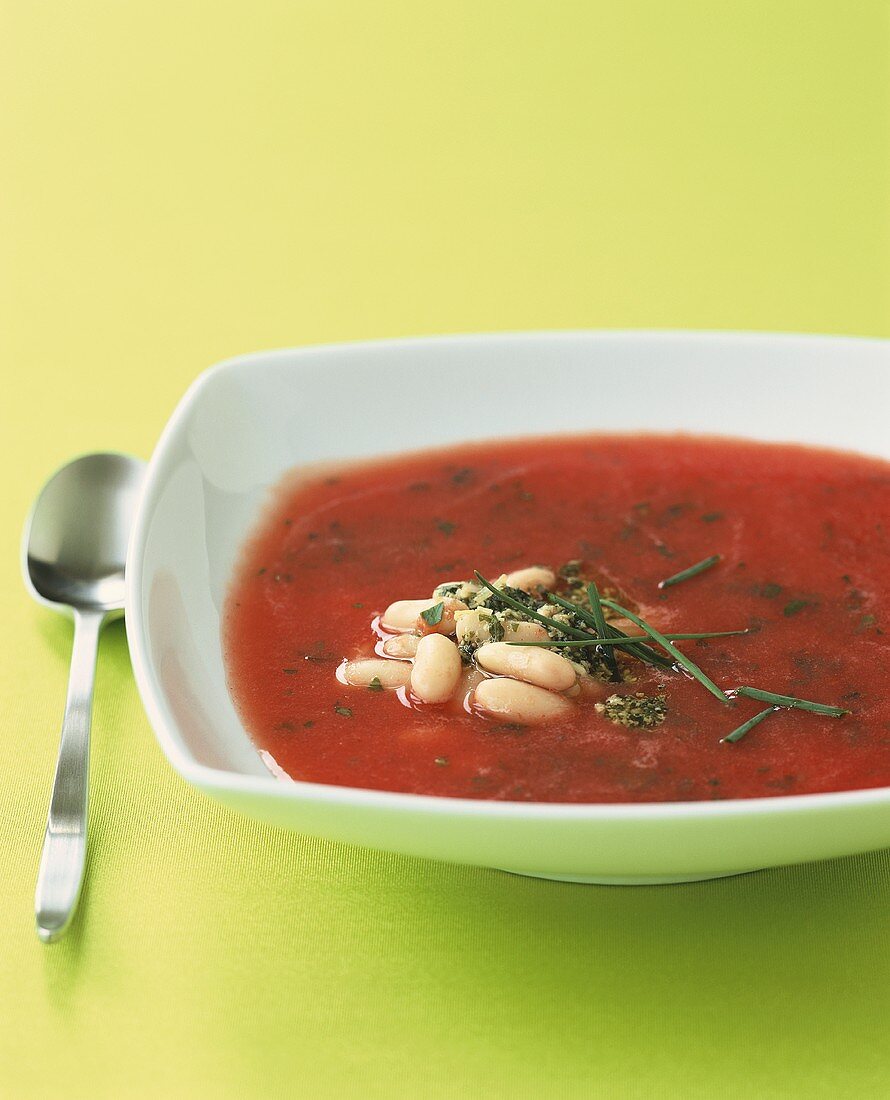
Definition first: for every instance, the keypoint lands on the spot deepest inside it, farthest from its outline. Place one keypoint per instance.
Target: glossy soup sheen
(805, 565)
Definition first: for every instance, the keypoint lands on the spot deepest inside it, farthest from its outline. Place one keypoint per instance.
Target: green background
(184, 181)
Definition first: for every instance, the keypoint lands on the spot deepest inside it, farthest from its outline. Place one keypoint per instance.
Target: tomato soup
(790, 577)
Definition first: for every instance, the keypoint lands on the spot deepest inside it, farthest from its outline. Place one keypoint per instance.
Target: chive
(790, 701)
(640, 650)
(738, 733)
(634, 638)
(433, 615)
(690, 666)
(563, 628)
(608, 655)
(375, 684)
(692, 571)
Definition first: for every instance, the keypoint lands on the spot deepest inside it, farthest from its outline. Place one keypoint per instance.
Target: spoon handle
(65, 842)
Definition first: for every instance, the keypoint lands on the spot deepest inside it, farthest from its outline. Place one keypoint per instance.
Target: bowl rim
(225, 782)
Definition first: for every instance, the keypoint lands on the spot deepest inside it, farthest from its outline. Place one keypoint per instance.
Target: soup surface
(804, 568)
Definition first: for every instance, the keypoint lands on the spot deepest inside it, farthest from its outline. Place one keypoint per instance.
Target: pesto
(636, 712)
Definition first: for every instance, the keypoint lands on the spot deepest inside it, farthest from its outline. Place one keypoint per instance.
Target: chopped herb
(692, 571)
(739, 732)
(794, 606)
(571, 570)
(711, 517)
(433, 615)
(308, 724)
(690, 665)
(289, 671)
(441, 761)
(506, 727)
(375, 684)
(634, 711)
(344, 712)
(446, 528)
(770, 591)
(790, 701)
(461, 477)
(358, 605)
(865, 623)
(260, 572)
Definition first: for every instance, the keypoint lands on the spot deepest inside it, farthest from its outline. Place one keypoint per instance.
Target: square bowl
(246, 422)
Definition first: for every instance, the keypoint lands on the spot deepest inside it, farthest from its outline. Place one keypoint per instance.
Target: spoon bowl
(75, 544)
(74, 555)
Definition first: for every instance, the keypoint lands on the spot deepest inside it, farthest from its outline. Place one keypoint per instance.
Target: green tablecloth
(184, 181)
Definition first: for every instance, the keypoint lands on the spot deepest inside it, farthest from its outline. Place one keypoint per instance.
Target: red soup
(785, 546)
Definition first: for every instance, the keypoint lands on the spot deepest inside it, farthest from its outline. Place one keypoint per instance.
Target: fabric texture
(181, 182)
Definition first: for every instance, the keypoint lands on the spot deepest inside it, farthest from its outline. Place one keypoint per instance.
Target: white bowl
(245, 422)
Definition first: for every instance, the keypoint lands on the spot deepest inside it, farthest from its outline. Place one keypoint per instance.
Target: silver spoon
(74, 552)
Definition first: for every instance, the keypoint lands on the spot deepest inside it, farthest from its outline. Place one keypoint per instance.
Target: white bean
(436, 670)
(390, 674)
(532, 579)
(445, 625)
(473, 626)
(519, 702)
(534, 666)
(403, 646)
(524, 632)
(460, 590)
(402, 615)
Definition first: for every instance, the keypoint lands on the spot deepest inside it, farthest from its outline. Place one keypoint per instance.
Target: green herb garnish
(738, 733)
(516, 605)
(633, 638)
(636, 712)
(433, 615)
(794, 606)
(681, 658)
(790, 701)
(608, 655)
(640, 650)
(344, 712)
(692, 571)
(375, 684)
